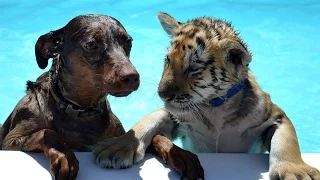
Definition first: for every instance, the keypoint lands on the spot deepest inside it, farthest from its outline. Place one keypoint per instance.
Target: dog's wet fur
(90, 60)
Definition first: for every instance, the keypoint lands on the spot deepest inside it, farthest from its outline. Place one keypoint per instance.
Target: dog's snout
(130, 79)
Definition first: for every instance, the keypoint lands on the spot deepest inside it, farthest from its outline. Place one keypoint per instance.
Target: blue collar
(215, 102)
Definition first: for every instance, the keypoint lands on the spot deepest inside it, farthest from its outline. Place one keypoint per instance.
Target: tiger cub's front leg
(285, 157)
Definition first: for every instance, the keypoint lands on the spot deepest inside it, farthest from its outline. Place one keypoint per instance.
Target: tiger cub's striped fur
(205, 60)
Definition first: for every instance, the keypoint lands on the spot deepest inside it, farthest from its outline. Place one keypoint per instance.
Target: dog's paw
(63, 165)
(119, 152)
(292, 171)
(185, 162)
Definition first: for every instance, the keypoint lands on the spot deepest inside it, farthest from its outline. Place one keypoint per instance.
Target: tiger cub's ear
(235, 53)
(168, 23)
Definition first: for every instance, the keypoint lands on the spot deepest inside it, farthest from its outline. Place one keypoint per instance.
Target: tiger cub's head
(205, 59)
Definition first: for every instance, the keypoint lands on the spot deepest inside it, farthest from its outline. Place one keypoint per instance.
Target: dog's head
(93, 50)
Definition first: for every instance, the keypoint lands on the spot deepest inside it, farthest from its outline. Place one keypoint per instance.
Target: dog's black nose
(131, 79)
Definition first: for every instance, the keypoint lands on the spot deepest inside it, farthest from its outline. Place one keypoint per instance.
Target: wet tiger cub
(213, 103)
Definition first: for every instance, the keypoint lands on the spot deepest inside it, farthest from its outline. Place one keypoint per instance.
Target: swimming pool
(283, 36)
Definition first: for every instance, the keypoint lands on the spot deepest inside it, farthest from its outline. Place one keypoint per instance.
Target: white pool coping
(15, 165)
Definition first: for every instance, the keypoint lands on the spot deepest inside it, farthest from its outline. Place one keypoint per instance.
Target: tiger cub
(213, 103)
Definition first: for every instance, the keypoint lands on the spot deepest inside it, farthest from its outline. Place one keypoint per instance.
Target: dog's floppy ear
(47, 46)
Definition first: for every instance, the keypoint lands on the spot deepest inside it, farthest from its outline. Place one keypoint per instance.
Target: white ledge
(15, 165)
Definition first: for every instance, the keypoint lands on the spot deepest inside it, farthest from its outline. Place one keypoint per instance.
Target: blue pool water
(283, 36)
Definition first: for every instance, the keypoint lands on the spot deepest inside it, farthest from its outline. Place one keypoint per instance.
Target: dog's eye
(91, 45)
(129, 42)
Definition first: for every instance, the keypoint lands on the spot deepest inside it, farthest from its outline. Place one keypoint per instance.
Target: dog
(213, 103)
(66, 108)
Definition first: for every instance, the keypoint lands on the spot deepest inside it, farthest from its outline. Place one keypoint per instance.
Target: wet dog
(66, 108)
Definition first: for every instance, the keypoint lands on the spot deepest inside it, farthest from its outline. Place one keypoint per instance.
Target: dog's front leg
(63, 163)
(285, 156)
(130, 148)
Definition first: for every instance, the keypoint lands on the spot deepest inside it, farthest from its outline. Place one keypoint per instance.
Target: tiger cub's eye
(167, 60)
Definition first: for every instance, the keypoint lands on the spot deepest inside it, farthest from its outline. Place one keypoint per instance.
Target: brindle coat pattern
(206, 58)
(90, 60)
